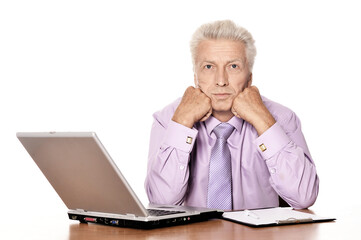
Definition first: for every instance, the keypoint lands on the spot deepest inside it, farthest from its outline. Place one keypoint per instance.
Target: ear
(249, 83)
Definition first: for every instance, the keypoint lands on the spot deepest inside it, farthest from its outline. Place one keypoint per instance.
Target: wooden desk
(213, 229)
(347, 226)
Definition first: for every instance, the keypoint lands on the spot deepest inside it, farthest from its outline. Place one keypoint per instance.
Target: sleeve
(292, 170)
(169, 154)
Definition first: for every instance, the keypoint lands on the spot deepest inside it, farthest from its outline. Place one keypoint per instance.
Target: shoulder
(283, 115)
(164, 115)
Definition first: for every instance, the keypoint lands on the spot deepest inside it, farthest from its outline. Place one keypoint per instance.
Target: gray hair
(225, 29)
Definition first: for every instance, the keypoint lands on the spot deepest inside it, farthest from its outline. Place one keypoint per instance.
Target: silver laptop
(93, 188)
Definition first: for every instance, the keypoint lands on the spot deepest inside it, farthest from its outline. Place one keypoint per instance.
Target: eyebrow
(237, 60)
(228, 62)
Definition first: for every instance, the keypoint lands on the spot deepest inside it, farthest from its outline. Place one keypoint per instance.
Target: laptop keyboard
(157, 212)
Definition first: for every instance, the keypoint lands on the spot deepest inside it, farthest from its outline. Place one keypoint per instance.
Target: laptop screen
(82, 172)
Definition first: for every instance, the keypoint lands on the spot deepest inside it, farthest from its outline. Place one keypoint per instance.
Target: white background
(106, 66)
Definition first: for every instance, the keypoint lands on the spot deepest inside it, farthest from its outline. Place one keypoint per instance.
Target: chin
(221, 107)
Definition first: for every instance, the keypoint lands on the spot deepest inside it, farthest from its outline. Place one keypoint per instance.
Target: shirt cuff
(271, 141)
(180, 137)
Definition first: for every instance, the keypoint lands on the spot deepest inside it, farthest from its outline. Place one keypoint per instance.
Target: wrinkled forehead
(220, 51)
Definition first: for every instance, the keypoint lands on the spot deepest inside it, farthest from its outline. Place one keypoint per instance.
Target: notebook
(273, 217)
(93, 188)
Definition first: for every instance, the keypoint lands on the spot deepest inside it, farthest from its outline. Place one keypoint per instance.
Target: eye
(234, 66)
(208, 66)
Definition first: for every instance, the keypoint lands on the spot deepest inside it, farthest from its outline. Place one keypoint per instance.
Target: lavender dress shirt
(277, 163)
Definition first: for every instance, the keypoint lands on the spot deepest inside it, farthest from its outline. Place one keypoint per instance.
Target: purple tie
(220, 170)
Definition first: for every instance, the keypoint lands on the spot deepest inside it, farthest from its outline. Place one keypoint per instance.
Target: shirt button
(181, 167)
(273, 170)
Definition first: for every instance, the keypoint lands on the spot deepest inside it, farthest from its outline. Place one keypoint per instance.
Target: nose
(222, 78)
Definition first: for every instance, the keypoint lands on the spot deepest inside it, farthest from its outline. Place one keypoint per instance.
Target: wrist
(263, 124)
(183, 121)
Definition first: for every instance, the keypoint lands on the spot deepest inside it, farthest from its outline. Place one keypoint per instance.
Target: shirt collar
(213, 122)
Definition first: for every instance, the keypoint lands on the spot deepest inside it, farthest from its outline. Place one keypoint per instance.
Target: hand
(194, 107)
(249, 106)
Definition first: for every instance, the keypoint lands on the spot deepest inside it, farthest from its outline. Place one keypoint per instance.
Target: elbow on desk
(304, 200)
(302, 204)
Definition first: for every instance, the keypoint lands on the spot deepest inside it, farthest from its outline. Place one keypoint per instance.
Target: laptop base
(151, 224)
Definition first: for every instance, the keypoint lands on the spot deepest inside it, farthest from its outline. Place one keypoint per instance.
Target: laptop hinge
(80, 210)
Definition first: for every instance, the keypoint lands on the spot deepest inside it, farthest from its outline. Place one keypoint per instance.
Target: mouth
(221, 96)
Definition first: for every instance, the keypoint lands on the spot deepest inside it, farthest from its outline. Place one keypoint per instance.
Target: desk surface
(347, 224)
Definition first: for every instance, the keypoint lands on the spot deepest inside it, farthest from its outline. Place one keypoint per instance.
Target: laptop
(93, 188)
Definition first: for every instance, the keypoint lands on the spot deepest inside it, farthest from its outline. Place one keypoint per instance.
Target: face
(221, 72)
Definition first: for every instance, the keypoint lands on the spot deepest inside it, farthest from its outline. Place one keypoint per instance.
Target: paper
(273, 216)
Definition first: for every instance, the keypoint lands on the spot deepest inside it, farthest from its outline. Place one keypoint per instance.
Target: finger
(254, 88)
(190, 88)
(235, 113)
(209, 113)
(200, 88)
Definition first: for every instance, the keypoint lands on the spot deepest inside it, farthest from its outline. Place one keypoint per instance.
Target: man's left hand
(249, 106)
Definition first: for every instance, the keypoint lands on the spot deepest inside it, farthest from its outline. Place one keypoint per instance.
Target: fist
(249, 106)
(194, 107)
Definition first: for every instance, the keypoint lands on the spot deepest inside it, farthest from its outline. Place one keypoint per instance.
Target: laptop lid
(82, 172)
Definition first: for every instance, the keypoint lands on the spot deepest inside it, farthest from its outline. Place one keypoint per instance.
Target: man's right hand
(194, 107)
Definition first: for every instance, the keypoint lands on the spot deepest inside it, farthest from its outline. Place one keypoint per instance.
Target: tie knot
(223, 130)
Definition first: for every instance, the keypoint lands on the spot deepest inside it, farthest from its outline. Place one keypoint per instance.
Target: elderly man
(223, 145)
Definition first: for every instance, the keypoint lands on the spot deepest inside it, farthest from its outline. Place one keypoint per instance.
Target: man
(261, 156)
